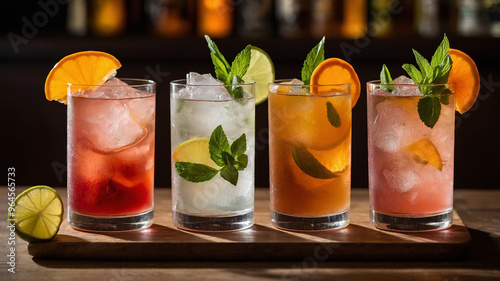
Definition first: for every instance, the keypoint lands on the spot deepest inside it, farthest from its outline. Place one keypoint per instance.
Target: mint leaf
(442, 71)
(442, 52)
(195, 172)
(435, 72)
(239, 146)
(241, 162)
(217, 144)
(230, 173)
(429, 109)
(227, 158)
(444, 97)
(425, 68)
(221, 65)
(414, 73)
(333, 116)
(236, 91)
(240, 65)
(315, 57)
(385, 78)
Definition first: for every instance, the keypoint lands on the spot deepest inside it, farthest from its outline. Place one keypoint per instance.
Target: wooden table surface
(479, 210)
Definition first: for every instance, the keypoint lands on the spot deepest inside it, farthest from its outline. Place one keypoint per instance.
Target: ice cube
(396, 125)
(296, 87)
(107, 124)
(405, 89)
(399, 174)
(142, 110)
(133, 165)
(204, 89)
(114, 88)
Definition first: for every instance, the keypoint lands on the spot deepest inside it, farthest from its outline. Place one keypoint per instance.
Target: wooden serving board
(163, 241)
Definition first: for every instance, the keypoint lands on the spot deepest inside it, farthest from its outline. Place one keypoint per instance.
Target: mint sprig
(435, 72)
(230, 75)
(230, 158)
(385, 78)
(315, 57)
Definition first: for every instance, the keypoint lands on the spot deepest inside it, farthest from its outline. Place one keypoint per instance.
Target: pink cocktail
(410, 164)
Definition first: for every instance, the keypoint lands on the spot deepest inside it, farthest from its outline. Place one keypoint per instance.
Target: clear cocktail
(213, 152)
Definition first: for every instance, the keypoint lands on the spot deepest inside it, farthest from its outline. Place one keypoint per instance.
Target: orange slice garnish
(85, 68)
(465, 75)
(336, 71)
(425, 152)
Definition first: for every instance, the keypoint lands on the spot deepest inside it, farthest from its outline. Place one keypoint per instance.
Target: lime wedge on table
(194, 151)
(38, 214)
(260, 71)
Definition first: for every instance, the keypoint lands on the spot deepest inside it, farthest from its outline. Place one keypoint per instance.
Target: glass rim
(142, 83)
(277, 82)
(378, 82)
(183, 82)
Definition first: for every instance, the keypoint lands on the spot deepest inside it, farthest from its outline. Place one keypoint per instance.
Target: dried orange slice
(425, 152)
(465, 75)
(86, 68)
(336, 71)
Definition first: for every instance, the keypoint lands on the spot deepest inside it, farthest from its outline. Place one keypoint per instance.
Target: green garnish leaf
(240, 65)
(236, 91)
(315, 57)
(195, 172)
(221, 65)
(435, 72)
(239, 146)
(231, 159)
(441, 54)
(429, 109)
(333, 116)
(217, 144)
(425, 68)
(385, 78)
(230, 75)
(241, 162)
(309, 164)
(414, 73)
(230, 173)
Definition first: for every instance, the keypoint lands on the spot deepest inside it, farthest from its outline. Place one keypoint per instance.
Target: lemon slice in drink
(260, 71)
(194, 151)
(38, 214)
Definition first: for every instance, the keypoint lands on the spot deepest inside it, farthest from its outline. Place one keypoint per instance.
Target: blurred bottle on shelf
(354, 19)
(427, 23)
(255, 18)
(471, 18)
(107, 17)
(292, 18)
(381, 18)
(76, 21)
(432, 18)
(171, 18)
(493, 11)
(325, 18)
(215, 18)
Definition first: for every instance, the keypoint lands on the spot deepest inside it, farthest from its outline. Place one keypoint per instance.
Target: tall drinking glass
(111, 145)
(310, 156)
(213, 156)
(410, 164)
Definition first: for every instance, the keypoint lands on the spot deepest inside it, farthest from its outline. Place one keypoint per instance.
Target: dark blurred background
(162, 40)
